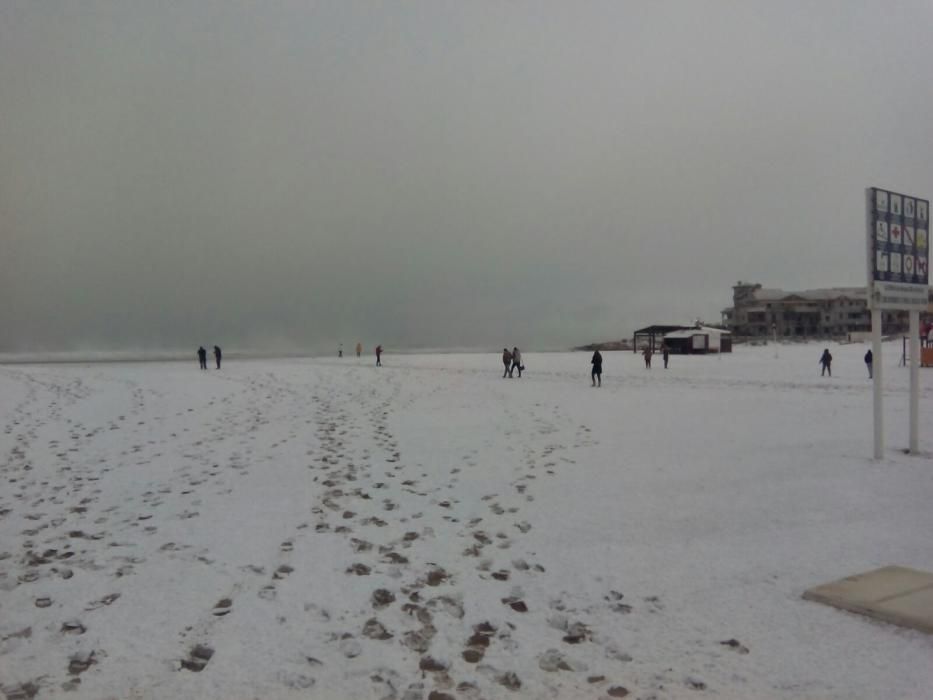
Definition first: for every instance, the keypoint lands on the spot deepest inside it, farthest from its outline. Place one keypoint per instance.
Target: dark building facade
(837, 312)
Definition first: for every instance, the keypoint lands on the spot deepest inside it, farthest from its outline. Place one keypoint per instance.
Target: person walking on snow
(647, 355)
(378, 356)
(340, 350)
(827, 361)
(868, 362)
(516, 362)
(202, 357)
(665, 353)
(359, 349)
(507, 361)
(217, 355)
(597, 374)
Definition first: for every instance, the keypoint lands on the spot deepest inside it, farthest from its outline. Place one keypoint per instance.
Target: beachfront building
(837, 312)
(699, 340)
(652, 336)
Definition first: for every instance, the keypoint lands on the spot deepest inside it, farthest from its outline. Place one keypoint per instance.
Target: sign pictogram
(895, 200)
(895, 263)
(881, 261)
(881, 201)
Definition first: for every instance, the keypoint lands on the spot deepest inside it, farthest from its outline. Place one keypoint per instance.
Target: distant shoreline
(84, 358)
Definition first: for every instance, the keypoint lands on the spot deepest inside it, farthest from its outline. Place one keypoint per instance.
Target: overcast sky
(289, 175)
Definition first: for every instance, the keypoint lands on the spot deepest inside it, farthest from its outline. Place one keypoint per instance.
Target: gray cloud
(438, 174)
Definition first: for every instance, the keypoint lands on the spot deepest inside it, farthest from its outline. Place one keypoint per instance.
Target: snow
(254, 511)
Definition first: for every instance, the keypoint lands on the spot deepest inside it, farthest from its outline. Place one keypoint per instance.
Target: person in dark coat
(869, 359)
(507, 361)
(665, 353)
(597, 374)
(826, 360)
(647, 355)
(516, 362)
(378, 356)
(202, 357)
(217, 355)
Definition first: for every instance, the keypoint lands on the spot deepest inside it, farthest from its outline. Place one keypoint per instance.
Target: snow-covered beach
(324, 528)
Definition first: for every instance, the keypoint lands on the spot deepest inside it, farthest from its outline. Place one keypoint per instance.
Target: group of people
(597, 362)
(202, 356)
(359, 352)
(826, 362)
(512, 360)
(648, 352)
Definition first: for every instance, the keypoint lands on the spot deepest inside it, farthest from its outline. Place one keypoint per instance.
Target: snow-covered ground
(327, 529)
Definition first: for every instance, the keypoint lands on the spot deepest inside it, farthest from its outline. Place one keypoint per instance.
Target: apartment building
(837, 312)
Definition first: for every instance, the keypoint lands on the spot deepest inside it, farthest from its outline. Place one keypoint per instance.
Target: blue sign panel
(899, 234)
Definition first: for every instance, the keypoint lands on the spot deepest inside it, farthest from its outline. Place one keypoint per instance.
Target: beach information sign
(898, 250)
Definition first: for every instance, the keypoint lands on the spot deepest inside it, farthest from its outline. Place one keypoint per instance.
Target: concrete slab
(894, 594)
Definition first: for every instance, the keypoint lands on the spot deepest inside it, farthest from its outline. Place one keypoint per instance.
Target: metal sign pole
(876, 382)
(914, 381)
(877, 398)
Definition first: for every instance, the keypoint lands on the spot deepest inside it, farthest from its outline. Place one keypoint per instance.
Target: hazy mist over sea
(282, 177)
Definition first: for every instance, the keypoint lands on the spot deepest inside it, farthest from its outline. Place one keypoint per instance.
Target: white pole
(876, 384)
(914, 381)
